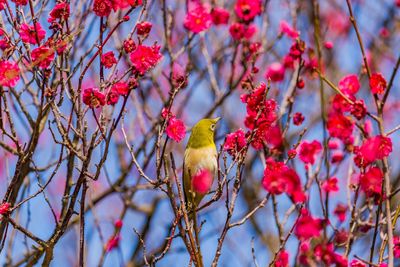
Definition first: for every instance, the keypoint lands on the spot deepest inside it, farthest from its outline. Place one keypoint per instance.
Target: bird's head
(203, 133)
(206, 125)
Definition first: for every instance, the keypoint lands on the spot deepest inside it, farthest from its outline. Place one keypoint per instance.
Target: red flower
(341, 236)
(129, 45)
(235, 142)
(373, 148)
(298, 118)
(145, 57)
(143, 28)
(4, 208)
(118, 224)
(309, 151)
(112, 97)
(296, 50)
(326, 254)
(339, 126)
(219, 16)
(261, 122)
(42, 56)
(334, 144)
(279, 178)
(275, 72)
(371, 182)
(285, 28)
(20, 2)
(377, 83)
(328, 45)
(197, 19)
(121, 4)
(102, 8)
(60, 11)
(358, 109)
(330, 185)
(292, 153)
(340, 212)
(3, 4)
(282, 259)
(176, 130)
(108, 59)
(9, 73)
(288, 63)
(396, 250)
(300, 83)
(113, 242)
(340, 104)
(93, 97)
(357, 263)
(179, 77)
(307, 226)
(337, 157)
(122, 88)
(273, 136)
(247, 10)
(166, 114)
(28, 33)
(237, 30)
(202, 181)
(349, 84)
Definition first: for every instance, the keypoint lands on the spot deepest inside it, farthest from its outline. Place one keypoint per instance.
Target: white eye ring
(212, 127)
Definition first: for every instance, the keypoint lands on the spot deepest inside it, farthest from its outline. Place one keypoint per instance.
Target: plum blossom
(308, 151)
(202, 181)
(108, 59)
(279, 178)
(220, 16)
(247, 10)
(285, 28)
(145, 57)
(93, 97)
(198, 19)
(235, 142)
(9, 73)
(176, 129)
(30, 33)
(377, 83)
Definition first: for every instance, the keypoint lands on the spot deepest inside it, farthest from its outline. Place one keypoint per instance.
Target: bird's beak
(217, 119)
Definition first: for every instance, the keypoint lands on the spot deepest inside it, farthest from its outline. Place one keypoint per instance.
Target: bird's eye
(212, 127)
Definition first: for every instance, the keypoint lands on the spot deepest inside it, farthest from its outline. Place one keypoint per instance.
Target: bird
(200, 159)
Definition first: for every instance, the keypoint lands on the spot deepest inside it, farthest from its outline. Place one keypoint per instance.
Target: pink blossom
(176, 129)
(220, 16)
(143, 28)
(275, 72)
(42, 56)
(4, 208)
(235, 142)
(377, 83)
(285, 28)
(349, 84)
(247, 10)
(9, 73)
(308, 151)
(113, 242)
(108, 59)
(202, 181)
(93, 97)
(145, 57)
(307, 226)
(198, 19)
(30, 34)
(330, 185)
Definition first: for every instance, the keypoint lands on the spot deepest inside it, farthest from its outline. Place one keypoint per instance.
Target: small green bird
(200, 156)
